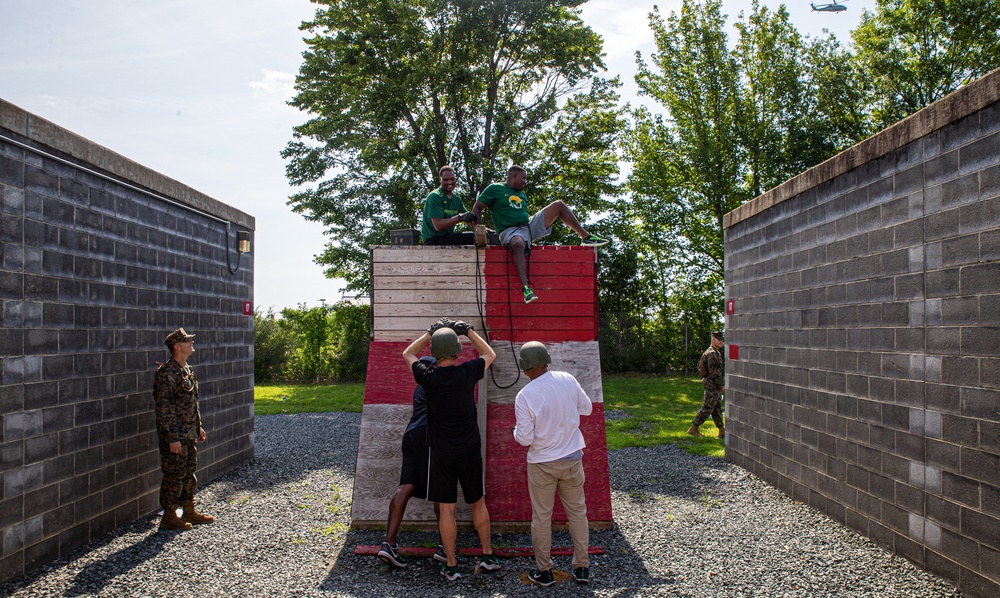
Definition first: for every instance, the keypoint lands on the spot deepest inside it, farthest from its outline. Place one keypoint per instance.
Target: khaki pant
(544, 480)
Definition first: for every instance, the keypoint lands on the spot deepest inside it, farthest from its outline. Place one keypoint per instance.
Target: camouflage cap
(177, 336)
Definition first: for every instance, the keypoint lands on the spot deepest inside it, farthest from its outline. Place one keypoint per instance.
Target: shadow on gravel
(283, 459)
(367, 575)
(95, 576)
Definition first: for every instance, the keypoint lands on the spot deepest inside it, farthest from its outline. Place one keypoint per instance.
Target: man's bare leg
(517, 248)
(559, 210)
(397, 506)
(448, 530)
(481, 519)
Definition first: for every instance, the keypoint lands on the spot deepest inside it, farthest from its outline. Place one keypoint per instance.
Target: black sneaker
(542, 578)
(581, 574)
(391, 555)
(442, 557)
(488, 562)
(450, 573)
(594, 241)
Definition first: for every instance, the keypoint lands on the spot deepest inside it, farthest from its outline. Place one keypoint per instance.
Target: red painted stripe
(537, 268)
(538, 308)
(548, 253)
(504, 553)
(506, 474)
(389, 381)
(552, 282)
(543, 336)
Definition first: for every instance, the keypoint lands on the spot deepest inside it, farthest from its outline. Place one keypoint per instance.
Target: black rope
(480, 284)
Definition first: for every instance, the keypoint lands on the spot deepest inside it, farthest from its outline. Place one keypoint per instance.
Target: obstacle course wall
(864, 335)
(414, 286)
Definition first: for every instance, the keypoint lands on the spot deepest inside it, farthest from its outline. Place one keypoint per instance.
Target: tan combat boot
(170, 520)
(693, 430)
(192, 516)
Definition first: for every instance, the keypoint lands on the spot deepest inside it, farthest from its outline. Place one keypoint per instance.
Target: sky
(198, 89)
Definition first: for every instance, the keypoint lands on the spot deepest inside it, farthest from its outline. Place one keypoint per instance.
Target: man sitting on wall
(517, 230)
(443, 210)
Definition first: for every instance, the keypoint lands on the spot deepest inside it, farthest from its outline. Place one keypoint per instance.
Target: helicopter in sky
(831, 7)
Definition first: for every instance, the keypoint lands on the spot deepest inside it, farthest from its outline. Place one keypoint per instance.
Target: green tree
(914, 52)
(688, 166)
(272, 346)
(397, 88)
(311, 329)
(349, 342)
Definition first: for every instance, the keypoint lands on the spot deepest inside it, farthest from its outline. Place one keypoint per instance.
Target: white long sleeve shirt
(548, 411)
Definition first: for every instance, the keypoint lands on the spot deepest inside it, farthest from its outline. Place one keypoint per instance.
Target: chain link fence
(285, 352)
(628, 344)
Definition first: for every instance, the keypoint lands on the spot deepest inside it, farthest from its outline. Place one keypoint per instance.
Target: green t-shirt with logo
(509, 207)
(439, 205)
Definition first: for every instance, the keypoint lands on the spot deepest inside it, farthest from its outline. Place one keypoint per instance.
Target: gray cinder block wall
(95, 269)
(866, 314)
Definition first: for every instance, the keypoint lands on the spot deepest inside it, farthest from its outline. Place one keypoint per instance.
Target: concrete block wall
(866, 312)
(98, 262)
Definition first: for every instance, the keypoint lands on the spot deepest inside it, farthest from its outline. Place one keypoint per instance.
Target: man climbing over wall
(517, 231)
(178, 426)
(711, 369)
(443, 210)
(453, 434)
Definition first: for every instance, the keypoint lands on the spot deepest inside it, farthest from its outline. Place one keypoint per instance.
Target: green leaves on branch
(915, 52)
(395, 89)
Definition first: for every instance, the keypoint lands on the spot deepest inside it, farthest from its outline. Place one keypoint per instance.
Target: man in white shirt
(548, 411)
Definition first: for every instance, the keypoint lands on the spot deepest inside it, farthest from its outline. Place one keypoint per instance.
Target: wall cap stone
(51, 135)
(953, 107)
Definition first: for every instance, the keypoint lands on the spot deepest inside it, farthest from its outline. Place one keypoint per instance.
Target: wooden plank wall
(414, 286)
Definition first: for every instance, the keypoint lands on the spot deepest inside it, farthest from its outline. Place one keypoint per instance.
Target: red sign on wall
(247, 308)
(730, 307)
(734, 352)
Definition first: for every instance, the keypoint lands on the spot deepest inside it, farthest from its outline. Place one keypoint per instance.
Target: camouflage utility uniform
(714, 381)
(177, 420)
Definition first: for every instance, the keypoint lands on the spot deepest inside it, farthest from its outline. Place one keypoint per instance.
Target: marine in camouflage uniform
(178, 426)
(713, 377)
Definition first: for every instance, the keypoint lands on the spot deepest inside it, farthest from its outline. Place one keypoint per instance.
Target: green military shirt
(509, 207)
(439, 205)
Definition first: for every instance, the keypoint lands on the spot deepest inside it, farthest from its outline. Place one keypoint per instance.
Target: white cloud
(275, 84)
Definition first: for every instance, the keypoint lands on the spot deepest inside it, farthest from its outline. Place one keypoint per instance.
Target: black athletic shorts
(451, 467)
(415, 455)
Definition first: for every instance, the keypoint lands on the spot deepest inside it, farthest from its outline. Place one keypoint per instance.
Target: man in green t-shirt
(517, 231)
(443, 209)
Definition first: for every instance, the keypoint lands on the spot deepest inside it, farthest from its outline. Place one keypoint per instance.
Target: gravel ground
(684, 526)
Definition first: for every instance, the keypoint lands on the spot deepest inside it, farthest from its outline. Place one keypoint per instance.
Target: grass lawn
(646, 410)
(308, 398)
(641, 410)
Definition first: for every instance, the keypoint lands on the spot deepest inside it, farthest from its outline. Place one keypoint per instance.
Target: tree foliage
(738, 119)
(914, 52)
(397, 88)
(324, 343)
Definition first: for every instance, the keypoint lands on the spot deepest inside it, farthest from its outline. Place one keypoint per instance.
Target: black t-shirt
(419, 417)
(451, 406)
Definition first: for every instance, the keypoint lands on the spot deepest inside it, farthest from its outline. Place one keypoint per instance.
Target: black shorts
(451, 467)
(415, 455)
